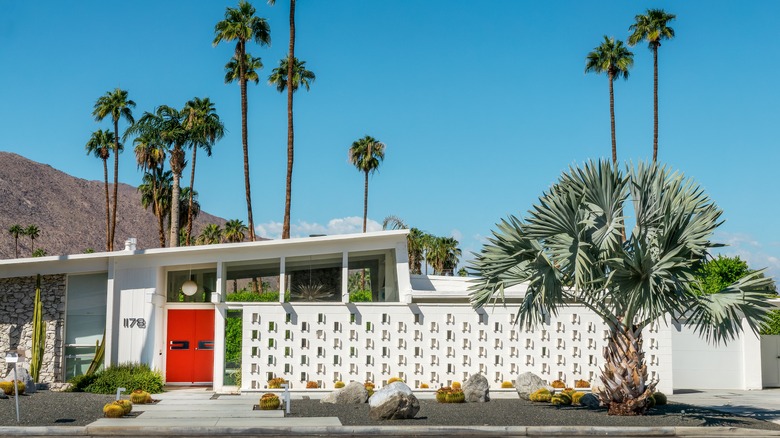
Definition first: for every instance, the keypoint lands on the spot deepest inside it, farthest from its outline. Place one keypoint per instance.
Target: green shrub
(360, 296)
(80, 383)
(233, 325)
(660, 398)
(249, 296)
(772, 324)
(128, 375)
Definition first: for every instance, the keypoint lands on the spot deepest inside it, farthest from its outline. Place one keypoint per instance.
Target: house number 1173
(135, 322)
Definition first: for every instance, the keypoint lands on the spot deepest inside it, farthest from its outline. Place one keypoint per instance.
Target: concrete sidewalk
(763, 405)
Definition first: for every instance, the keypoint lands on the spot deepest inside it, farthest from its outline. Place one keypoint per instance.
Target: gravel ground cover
(47, 408)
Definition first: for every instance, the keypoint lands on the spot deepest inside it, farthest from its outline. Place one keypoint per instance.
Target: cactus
(394, 379)
(276, 383)
(423, 386)
(269, 401)
(97, 360)
(455, 396)
(542, 395)
(576, 396)
(660, 398)
(441, 394)
(651, 401)
(338, 384)
(139, 397)
(127, 405)
(19, 386)
(455, 385)
(113, 410)
(581, 384)
(369, 387)
(312, 385)
(507, 384)
(558, 384)
(38, 333)
(7, 388)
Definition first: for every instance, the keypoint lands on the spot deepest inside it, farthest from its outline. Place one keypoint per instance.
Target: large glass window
(252, 280)
(85, 320)
(372, 277)
(314, 278)
(205, 279)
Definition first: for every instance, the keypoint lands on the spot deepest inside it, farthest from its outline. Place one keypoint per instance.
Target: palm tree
(280, 78)
(291, 86)
(169, 125)
(155, 192)
(241, 24)
(570, 249)
(184, 211)
(16, 230)
(150, 157)
(652, 27)
(443, 255)
(205, 129)
(366, 154)
(210, 235)
(234, 231)
(100, 144)
(615, 59)
(118, 106)
(32, 231)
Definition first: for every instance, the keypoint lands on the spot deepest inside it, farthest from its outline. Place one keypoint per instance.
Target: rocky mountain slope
(69, 211)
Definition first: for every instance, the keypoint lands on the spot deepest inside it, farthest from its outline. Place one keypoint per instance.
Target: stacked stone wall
(16, 314)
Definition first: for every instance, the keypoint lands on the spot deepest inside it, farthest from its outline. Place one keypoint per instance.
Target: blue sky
(481, 104)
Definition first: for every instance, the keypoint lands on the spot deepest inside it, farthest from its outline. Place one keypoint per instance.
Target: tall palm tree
(291, 87)
(234, 231)
(615, 59)
(169, 125)
(443, 255)
(280, 78)
(570, 249)
(184, 210)
(652, 27)
(155, 192)
(16, 230)
(100, 144)
(241, 24)
(366, 154)
(32, 231)
(205, 129)
(118, 106)
(210, 235)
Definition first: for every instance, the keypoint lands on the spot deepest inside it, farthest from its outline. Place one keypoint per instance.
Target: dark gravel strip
(48, 408)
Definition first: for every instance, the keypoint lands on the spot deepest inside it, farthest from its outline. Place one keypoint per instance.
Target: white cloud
(456, 234)
(345, 225)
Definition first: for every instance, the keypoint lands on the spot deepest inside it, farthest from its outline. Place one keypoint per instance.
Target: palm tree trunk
(161, 228)
(16, 245)
(626, 387)
(176, 158)
(612, 118)
(192, 191)
(290, 131)
(245, 146)
(116, 182)
(365, 202)
(108, 205)
(655, 103)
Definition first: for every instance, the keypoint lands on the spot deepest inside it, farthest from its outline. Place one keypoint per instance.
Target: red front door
(190, 357)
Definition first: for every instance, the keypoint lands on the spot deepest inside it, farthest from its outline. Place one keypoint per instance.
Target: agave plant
(571, 249)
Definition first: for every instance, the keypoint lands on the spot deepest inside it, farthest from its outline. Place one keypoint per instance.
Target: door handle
(180, 345)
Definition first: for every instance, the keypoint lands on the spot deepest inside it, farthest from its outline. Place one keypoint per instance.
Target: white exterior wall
(445, 343)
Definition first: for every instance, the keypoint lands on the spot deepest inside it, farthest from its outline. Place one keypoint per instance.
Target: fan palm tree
(570, 249)
(100, 144)
(234, 231)
(16, 230)
(210, 235)
(155, 192)
(443, 255)
(415, 242)
(366, 154)
(251, 66)
(205, 130)
(241, 25)
(150, 157)
(652, 27)
(289, 76)
(118, 106)
(615, 59)
(184, 211)
(33, 232)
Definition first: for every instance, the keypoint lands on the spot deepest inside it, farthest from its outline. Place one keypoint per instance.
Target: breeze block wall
(431, 343)
(16, 313)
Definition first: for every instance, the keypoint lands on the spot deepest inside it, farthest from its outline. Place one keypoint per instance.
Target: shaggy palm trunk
(176, 158)
(655, 102)
(192, 191)
(116, 183)
(626, 387)
(290, 131)
(108, 206)
(365, 203)
(612, 116)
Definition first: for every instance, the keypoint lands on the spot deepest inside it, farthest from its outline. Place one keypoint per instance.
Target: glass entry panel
(206, 280)
(85, 320)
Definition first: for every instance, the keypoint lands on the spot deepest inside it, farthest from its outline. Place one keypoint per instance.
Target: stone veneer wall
(16, 313)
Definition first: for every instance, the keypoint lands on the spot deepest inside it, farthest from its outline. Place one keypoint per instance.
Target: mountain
(70, 212)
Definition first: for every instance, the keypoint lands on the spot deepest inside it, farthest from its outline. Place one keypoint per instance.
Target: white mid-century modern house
(169, 308)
